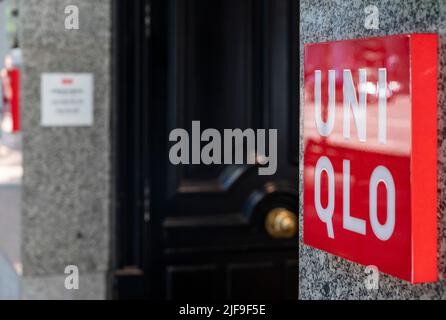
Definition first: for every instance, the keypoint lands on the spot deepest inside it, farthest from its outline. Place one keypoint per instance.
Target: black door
(219, 231)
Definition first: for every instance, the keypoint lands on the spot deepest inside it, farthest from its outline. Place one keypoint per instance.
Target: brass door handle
(281, 223)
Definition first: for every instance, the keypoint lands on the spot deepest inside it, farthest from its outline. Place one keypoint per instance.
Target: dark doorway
(197, 231)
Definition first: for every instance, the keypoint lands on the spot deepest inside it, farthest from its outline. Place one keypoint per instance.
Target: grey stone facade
(324, 276)
(66, 202)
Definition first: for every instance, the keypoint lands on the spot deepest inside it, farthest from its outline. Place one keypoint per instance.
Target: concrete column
(66, 200)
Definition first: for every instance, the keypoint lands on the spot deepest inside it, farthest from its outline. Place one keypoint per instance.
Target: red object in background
(370, 192)
(14, 76)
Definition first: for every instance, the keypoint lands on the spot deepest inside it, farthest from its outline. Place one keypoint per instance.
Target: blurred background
(10, 151)
(102, 196)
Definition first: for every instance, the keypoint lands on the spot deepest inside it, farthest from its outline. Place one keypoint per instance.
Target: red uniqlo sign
(370, 152)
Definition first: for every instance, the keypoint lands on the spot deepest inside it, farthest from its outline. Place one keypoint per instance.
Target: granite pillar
(66, 203)
(324, 276)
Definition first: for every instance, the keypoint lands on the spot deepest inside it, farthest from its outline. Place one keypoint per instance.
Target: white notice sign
(67, 99)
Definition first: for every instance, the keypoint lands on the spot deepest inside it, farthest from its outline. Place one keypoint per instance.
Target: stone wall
(67, 170)
(324, 276)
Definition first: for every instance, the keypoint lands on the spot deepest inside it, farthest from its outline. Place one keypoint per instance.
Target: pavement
(10, 159)
(10, 194)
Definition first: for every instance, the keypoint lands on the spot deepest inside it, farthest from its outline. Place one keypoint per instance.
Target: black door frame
(131, 31)
(138, 26)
